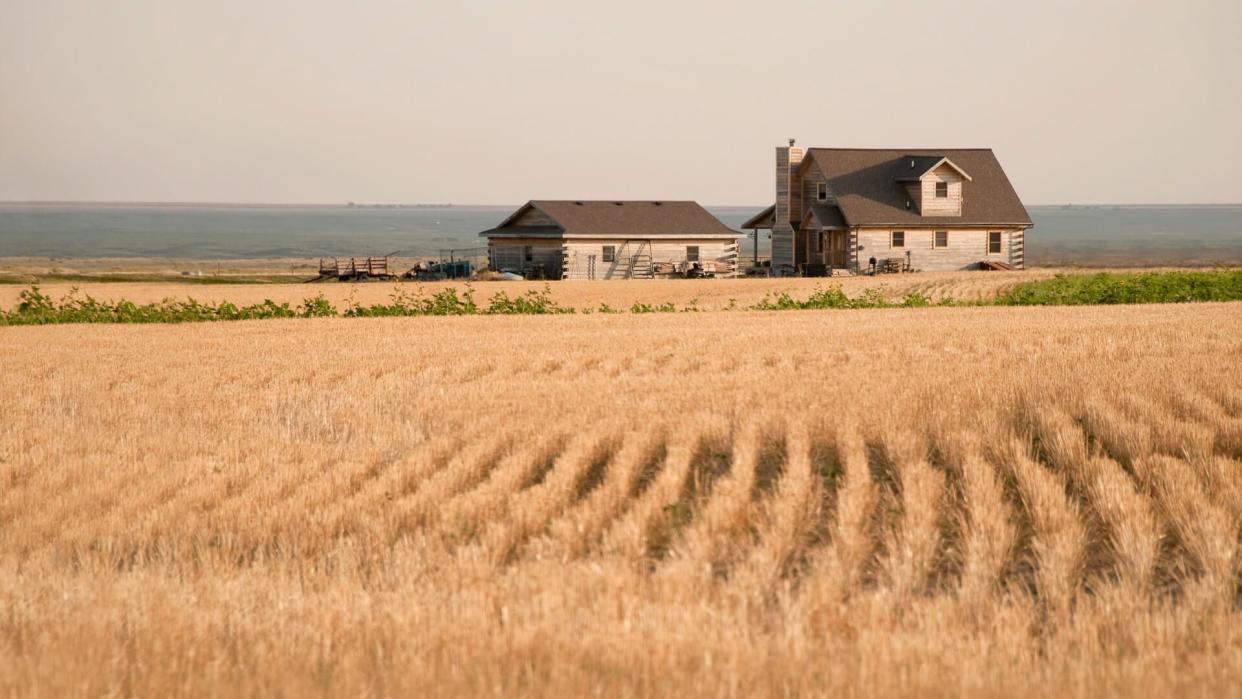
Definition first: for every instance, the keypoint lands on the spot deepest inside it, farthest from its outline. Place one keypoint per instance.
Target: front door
(834, 253)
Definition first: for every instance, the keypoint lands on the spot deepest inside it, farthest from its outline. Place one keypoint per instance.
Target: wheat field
(945, 501)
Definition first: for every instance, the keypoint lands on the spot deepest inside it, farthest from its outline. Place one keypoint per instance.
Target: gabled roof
(920, 165)
(867, 184)
(617, 219)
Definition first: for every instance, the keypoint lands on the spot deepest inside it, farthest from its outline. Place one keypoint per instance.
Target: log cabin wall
(579, 264)
(965, 249)
(929, 204)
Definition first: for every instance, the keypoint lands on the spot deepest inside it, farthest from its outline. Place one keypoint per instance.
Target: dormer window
(821, 191)
(942, 190)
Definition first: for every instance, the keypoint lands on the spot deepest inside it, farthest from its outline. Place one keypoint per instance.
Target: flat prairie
(944, 501)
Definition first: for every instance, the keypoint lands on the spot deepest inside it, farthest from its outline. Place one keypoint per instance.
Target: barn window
(817, 242)
(942, 239)
(898, 239)
(610, 253)
(942, 190)
(528, 253)
(692, 253)
(821, 191)
(994, 242)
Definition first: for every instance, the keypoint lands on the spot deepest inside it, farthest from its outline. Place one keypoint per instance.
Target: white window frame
(609, 253)
(892, 240)
(528, 253)
(936, 239)
(821, 191)
(693, 256)
(940, 184)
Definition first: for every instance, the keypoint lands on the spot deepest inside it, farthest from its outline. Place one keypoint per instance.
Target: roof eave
(750, 222)
(934, 224)
(945, 161)
(520, 210)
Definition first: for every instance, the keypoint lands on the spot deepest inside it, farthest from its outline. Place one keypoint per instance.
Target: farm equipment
(436, 271)
(354, 269)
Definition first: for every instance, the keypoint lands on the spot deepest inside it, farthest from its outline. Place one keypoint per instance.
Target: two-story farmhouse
(612, 240)
(924, 209)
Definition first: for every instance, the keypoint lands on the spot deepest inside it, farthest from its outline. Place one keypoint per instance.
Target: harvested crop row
(944, 500)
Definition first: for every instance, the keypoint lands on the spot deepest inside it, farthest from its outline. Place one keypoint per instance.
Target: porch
(822, 243)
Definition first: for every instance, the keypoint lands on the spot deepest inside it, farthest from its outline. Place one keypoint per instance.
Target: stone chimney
(788, 185)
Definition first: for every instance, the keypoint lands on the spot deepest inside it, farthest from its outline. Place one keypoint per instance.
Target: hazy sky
(500, 102)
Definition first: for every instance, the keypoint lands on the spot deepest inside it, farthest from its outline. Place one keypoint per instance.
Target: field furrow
(912, 501)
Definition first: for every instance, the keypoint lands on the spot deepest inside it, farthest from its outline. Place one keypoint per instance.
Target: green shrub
(1111, 288)
(531, 303)
(36, 308)
(666, 307)
(318, 307)
(445, 302)
(831, 298)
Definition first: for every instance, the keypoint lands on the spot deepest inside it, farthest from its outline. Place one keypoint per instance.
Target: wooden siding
(782, 247)
(533, 217)
(788, 206)
(966, 248)
(950, 206)
(810, 181)
(788, 187)
(584, 259)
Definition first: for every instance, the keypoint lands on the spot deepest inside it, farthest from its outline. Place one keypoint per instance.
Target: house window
(897, 239)
(528, 253)
(994, 242)
(821, 191)
(817, 242)
(610, 253)
(942, 239)
(942, 190)
(692, 253)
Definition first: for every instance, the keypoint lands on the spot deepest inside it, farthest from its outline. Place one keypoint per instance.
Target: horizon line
(447, 205)
(456, 205)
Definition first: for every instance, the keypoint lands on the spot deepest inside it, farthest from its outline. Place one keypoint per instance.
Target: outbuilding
(563, 239)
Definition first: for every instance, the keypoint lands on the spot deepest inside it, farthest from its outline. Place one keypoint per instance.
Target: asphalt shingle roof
(626, 219)
(869, 190)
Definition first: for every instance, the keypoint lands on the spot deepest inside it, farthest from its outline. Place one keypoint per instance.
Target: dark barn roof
(616, 219)
(867, 184)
